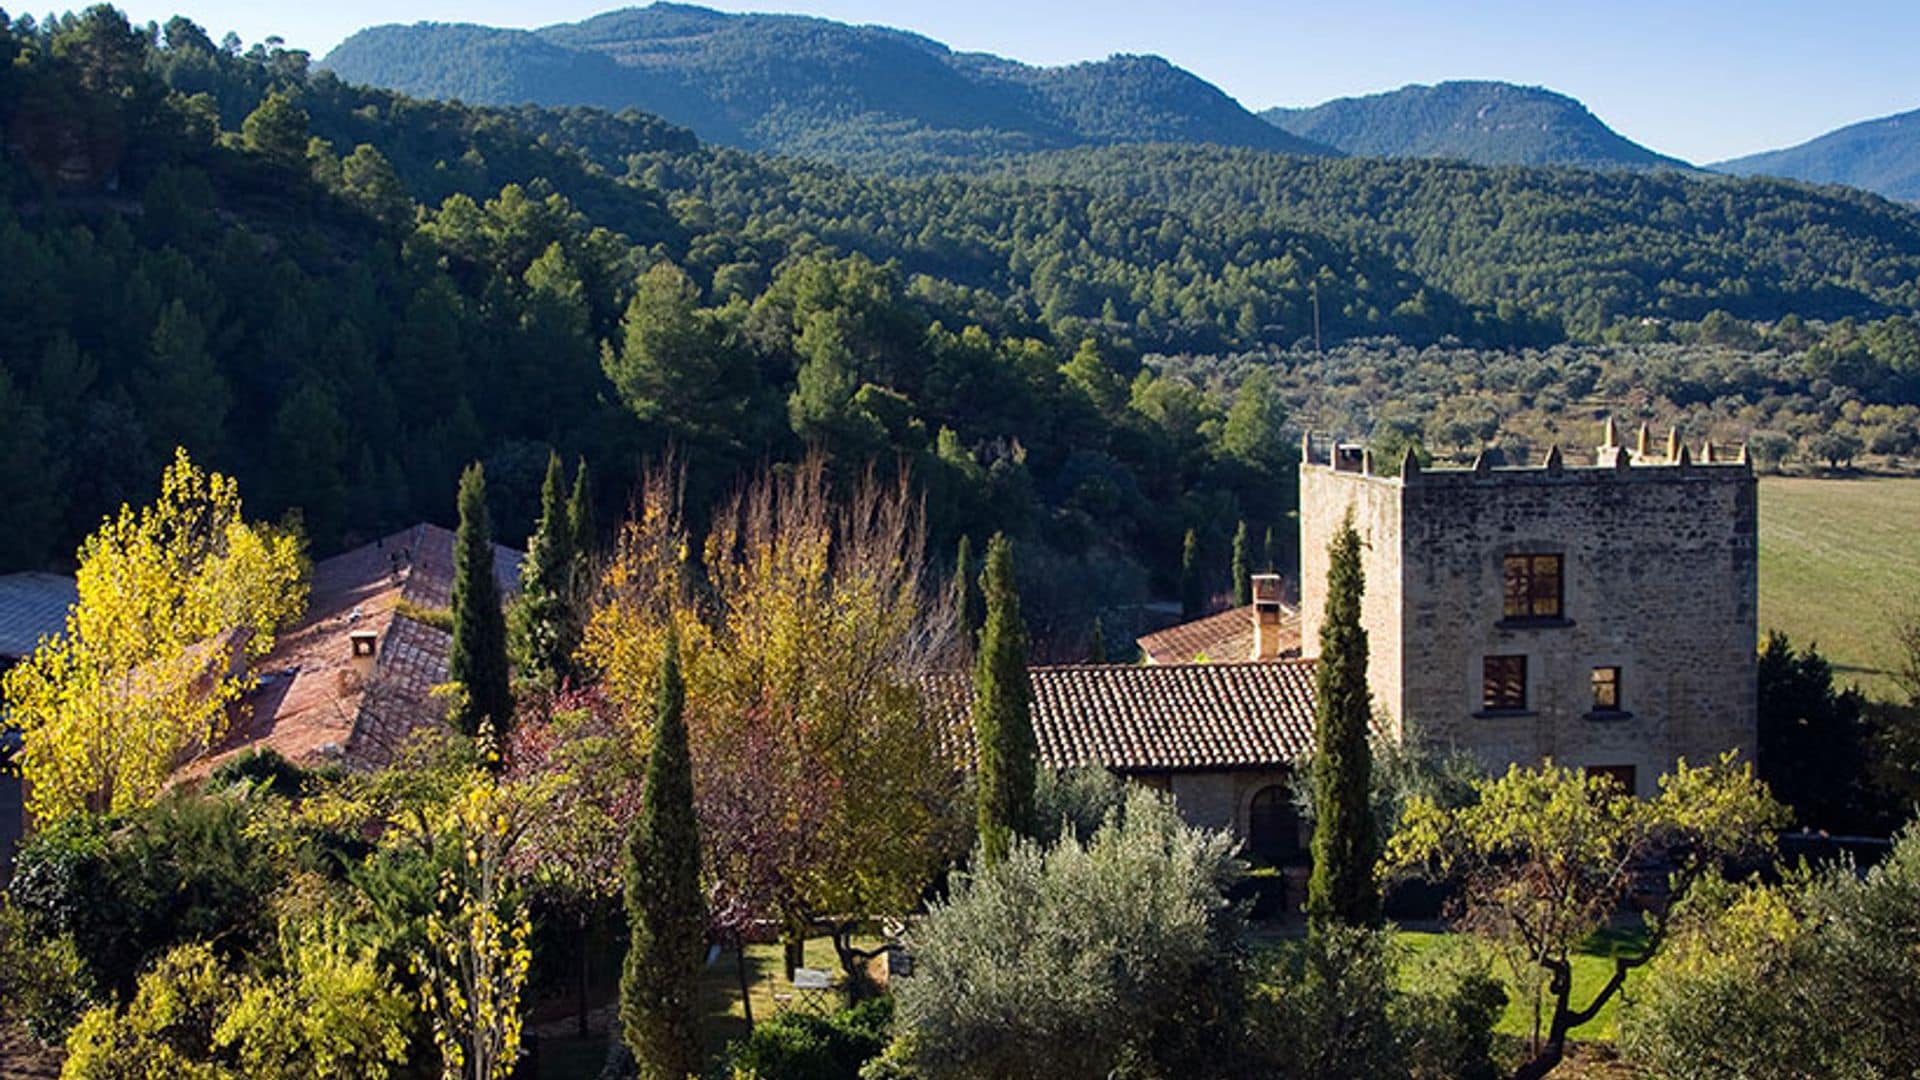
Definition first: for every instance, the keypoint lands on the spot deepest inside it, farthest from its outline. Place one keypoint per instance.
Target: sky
(1702, 80)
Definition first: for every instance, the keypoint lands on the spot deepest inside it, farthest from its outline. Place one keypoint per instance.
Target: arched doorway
(1273, 825)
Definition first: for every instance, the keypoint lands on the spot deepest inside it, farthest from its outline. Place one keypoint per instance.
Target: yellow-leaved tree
(175, 599)
(826, 789)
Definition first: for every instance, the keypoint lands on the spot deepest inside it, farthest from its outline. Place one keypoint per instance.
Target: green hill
(805, 85)
(1488, 123)
(1877, 155)
(1585, 249)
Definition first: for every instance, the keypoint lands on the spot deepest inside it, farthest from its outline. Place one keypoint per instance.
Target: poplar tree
(666, 916)
(1193, 589)
(1345, 849)
(1242, 568)
(1002, 715)
(477, 659)
(543, 617)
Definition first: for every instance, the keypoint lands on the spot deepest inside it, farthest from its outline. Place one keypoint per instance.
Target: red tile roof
(1137, 718)
(1224, 637)
(312, 703)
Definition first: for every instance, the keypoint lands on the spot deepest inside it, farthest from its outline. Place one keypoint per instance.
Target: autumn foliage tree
(825, 794)
(174, 599)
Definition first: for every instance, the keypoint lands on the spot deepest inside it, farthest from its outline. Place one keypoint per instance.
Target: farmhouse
(1601, 615)
(355, 677)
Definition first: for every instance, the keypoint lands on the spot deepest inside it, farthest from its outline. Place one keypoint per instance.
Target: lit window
(1606, 689)
(1532, 587)
(1503, 685)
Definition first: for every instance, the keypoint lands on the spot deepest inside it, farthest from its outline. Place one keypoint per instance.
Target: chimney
(1266, 617)
(366, 648)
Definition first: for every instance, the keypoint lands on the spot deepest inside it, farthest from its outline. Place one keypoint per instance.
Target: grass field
(1592, 967)
(1840, 566)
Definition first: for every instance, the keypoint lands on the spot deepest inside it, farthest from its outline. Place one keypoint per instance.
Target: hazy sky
(1699, 79)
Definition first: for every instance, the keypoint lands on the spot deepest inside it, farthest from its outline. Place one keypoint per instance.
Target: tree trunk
(746, 988)
(586, 972)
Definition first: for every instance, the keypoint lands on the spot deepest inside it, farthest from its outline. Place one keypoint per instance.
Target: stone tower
(1603, 616)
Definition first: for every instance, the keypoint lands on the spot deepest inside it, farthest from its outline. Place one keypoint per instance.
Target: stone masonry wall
(1325, 497)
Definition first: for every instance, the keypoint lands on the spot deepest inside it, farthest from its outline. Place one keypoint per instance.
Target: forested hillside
(855, 94)
(342, 294)
(1487, 123)
(1881, 155)
(1586, 249)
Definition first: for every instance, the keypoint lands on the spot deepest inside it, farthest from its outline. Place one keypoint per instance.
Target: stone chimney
(1266, 617)
(366, 649)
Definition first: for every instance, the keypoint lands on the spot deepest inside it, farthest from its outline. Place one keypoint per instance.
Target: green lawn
(562, 1056)
(1840, 566)
(1592, 967)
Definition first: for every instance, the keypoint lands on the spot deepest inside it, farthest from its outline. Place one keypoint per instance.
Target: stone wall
(1326, 494)
(1219, 800)
(1660, 580)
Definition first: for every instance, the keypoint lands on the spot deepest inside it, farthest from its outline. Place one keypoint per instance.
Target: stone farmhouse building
(1601, 615)
(1604, 616)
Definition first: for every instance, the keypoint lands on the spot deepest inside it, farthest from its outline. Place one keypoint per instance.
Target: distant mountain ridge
(1881, 155)
(797, 84)
(1486, 123)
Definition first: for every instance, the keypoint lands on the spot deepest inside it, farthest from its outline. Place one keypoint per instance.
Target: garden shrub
(799, 1046)
(1119, 956)
(126, 890)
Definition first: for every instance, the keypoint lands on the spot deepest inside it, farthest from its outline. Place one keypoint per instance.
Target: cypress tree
(1271, 552)
(1002, 718)
(580, 516)
(666, 916)
(1193, 588)
(477, 659)
(543, 615)
(1345, 849)
(966, 594)
(1097, 647)
(1242, 568)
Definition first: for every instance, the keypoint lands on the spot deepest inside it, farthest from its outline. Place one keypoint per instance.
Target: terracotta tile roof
(1133, 718)
(312, 703)
(1224, 637)
(32, 606)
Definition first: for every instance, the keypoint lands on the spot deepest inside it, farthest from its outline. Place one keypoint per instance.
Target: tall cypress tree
(1097, 644)
(1242, 568)
(1193, 587)
(478, 657)
(580, 516)
(1345, 848)
(666, 915)
(1270, 552)
(1002, 715)
(543, 616)
(966, 592)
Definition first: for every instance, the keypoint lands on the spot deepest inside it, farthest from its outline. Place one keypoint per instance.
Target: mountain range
(1880, 155)
(809, 86)
(876, 97)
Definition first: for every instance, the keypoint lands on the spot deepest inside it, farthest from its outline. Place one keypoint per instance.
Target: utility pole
(1316, 315)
